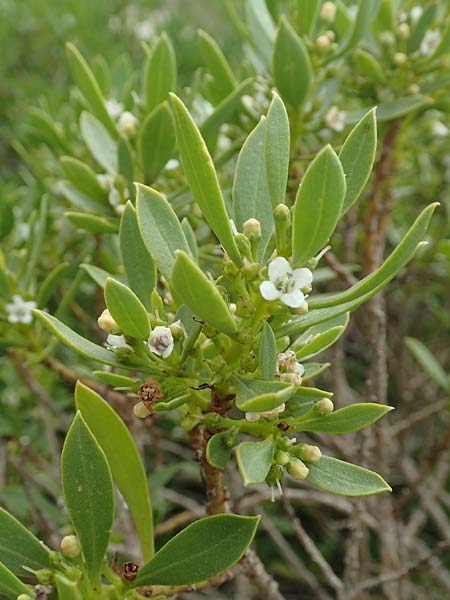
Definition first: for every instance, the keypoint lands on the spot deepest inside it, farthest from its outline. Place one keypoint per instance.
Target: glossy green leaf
(345, 420)
(89, 494)
(312, 370)
(100, 144)
(123, 457)
(429, 362)
(251, 197)
(160, 72)
(254, 395)
(85, 80)
(318, 205)
(203, 550)
(254, 460)
(127, 310)
(267, 353)
(291, 66)
(218, 453)
(369, 66)
(202, 178)
(261, 27)
(276, 150)
(345, 479)
(308, 11)
(373, 282)
(67, 589)
(10, 585)
(361, 26)
(156, 141)
(357, 156)
(320, 343)
(114, 379)
(224, 81)
(423, 25)
(160, 228)
(19, 548)
(137, 260)
(386, 111)
(191, 285)
(91, 223)
(83, 178)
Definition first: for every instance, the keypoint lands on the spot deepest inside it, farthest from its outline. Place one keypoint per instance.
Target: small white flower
(127, 124)
(19, 310)
(430, 42)
(439, 129)
(117, 342)
(387, 37)
(114, 107)
(172, 164)
(416, 13)
(114, 196)
(201, 109)
(252, 417)
(104, 180)
(286, 284)
(144, 30)
(335, 118)
(288, 368)
(160, 341)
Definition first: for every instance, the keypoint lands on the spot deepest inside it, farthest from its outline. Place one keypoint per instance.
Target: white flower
(439, 129)
(416, 13)
(201, 109)
(328, 11)
(286, 284)
(172, 164)
(114, 196)
(127, 124)
(335, 118)
(160, 341)
(19, 310)
(114, 107)
(288, 368)
(430, 42)
(104, 180)
(117, 342)
(252, 417)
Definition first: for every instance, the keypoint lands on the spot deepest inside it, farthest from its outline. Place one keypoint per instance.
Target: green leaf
(83, 178)
(428, 361)
(198, 293)
(345, 420)
(357, 156)
(291, 66)
(160, 72)
(99, 276)
(386, 111)
(308, 11)
(160, 228)
(50, 283)
(99, 142)
(361, 26)
(261, 27)
(369, 66)
(10, 585)
(156, 141)
(276, 150)
(318, 205)
(190, 237)
(203, 550)
(19, 547)
(91, 223)
(254, 395)
(67, 589)
(127, 310)
(125, 159)
(85, 80)
(137, 260)
(391, 266)
(224, 81)
(218, 453)
(254, 460)
(421, 27)
(444, 45)
(114, 379)
(319, 343)
(345, 479)
(123, 457)
(251, 198)
(89, 494)
(202, 178)
(267, 353)
(75, 341)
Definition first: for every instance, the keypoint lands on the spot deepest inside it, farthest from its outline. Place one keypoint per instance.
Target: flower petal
(303, 278)
(293, 299)
(279, 267)
(269, 291)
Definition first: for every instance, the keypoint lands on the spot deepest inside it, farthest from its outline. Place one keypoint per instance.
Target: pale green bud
(282, 458)
(140, 410)
(23, 597)
(322, 42)
(176, 329)
(282, 213)
(107, 323)
(70, 546)
(400, 58)
(403, 31)
(324, 407)
(297, 469)
(328, 11)
(252, 228)
(308, 453)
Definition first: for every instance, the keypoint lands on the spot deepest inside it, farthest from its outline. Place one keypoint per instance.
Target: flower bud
(23, 597)
(301, 310)
(322, 42)
(324, 407)
(44, 576)
(400, 58)
(251, 270)
(252, 228)
(273, 414)
(328, 11)
(249, 362)
(403, 31)
(413, 89)
(70, 546)
(107, 323)
(177, 329)
(140, 410)
(297, 469)
(308, 453)
(274, 475)
(281, 212)
(282, 458)
(127, 124)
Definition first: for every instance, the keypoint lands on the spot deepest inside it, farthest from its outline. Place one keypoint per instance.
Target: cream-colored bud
(301, 310)
(140, 410)
(281, 212)
(330, 35)
(177, 329)
(400, 58)
(23, 597)
(403, 31)
(107, 323)
(252, 228)
(272, 414)
(324, 407)
(308, 453)
(297, 469)
(282, 458)
(127, 124)
(322, 42)
(70, 546)
(328, 11)
(414, 89)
